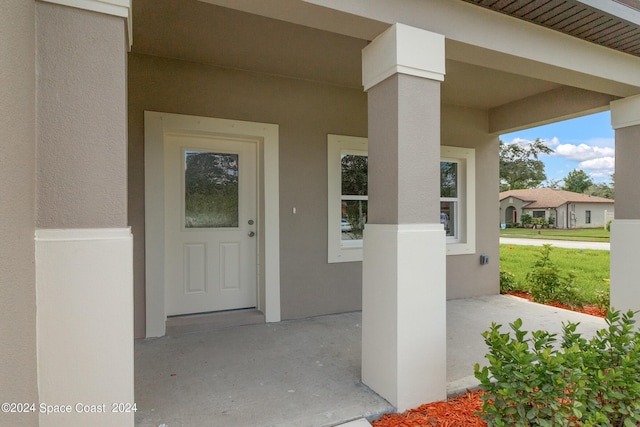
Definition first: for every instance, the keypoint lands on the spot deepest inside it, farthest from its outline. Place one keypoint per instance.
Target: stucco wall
(81, 168)
(18, 380)
(305, 112)
(467, 127)
(627, 203)
(597, 214)
(516, 204)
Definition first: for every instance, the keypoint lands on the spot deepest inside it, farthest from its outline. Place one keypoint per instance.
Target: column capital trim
(121, 8)
(406, 50)
(75, 234)
(625, 112)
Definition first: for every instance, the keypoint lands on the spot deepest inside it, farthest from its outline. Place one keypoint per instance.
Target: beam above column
(625, 112)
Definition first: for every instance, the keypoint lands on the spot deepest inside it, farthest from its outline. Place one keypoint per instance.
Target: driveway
(603, 246)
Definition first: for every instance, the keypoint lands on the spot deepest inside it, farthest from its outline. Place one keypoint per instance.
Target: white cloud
(601, 142)
(603, 163)
(583, 152)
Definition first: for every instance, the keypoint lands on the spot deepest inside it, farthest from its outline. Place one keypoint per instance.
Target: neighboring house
(105, 228)
(562, 209)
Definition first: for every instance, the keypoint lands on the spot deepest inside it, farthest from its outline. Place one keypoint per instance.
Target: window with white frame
(347, 166)
(449, 198)
(458, 198)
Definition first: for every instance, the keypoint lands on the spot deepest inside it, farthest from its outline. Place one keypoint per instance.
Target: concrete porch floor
(303, 372)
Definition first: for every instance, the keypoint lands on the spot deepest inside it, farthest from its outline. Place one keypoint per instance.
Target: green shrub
(602, 298)
(531, 382)
(508, 282)
(526, 219)
(609, 226)
(549, 285)
(539, 222)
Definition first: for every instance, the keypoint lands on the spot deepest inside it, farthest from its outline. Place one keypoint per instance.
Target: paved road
(557, 243)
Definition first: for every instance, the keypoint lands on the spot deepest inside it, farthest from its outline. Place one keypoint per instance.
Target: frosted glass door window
(210, 190)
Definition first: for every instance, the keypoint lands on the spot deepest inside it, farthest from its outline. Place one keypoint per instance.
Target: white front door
(210, 224)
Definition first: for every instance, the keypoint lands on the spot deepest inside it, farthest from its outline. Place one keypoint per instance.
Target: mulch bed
(455, 412)
(587, 309)
(459, 411)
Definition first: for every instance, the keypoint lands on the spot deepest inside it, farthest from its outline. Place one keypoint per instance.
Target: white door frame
(267, 139)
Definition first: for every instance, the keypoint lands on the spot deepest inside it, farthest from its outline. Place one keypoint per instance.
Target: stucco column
(625, 229)
(404, 265)
(84, 248)
(18, 348)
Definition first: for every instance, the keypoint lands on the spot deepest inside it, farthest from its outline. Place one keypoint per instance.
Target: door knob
(251, 234)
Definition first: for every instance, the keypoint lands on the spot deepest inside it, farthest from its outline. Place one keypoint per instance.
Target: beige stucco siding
(467, 127)
(81, 168)
(18, 380)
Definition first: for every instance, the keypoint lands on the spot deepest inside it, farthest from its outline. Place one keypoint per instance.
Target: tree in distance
(602, 189)
(519, 165)
(577, 181)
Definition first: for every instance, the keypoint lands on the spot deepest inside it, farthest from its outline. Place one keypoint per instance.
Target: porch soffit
(204, 33)
(614, 23)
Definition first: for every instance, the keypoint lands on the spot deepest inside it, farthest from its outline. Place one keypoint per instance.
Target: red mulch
(456, 412)
(587, 309)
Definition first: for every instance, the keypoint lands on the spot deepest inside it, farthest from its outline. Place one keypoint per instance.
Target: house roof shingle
(550, 198)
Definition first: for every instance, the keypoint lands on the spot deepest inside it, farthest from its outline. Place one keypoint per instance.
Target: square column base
(625, 269)
(404, 316)
(84, 283)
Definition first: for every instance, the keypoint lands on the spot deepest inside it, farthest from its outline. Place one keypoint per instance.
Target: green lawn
(581, 234)
(591, 267)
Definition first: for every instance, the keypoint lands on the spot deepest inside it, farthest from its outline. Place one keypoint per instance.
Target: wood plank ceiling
(575, 19)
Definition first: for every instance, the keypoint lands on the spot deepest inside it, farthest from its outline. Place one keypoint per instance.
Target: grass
(591, 267)
(581, 234)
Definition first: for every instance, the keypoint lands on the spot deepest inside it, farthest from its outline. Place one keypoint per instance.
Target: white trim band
(120, 8)
(77, 234)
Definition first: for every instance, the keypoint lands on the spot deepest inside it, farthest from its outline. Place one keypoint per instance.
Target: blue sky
(586, 143)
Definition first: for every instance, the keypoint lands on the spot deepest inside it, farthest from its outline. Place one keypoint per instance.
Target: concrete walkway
(303, 372)
(605, 246)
